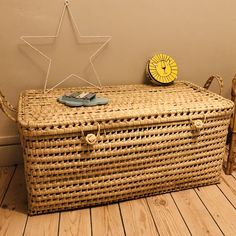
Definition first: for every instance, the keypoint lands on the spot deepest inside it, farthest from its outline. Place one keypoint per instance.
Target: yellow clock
(162, 69)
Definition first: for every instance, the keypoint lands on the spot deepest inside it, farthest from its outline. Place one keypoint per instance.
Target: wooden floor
(203, 211)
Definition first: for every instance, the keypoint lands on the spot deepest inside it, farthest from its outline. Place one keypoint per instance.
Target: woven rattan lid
(41, 114)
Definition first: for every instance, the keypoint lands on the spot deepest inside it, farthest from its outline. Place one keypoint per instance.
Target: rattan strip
(109, 136)
(77, 162)
(67, 119)
(108, 175)
(110, 169)
(66, 205)
(99, 159)
(108, 148)
(68, 202)
(101, 181)
(96, 157)
(39, 142)
(148, 119)
(121, 186)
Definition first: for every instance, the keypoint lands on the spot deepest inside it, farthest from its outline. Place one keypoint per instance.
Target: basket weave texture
(149, 140)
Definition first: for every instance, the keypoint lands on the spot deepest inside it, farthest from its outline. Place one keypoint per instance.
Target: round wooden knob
(91, 139)
(197, 124)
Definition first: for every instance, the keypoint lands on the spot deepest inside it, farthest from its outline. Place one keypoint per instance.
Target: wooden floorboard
(167, 216)
(77, 222)
(107, 220)
(220, 208)
(209, 210)
(137, 218)
(46, 225)
(13, 211)
(195, 214)
(5, 178)
(228, 188)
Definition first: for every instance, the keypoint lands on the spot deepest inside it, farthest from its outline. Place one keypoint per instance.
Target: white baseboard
(10, 155)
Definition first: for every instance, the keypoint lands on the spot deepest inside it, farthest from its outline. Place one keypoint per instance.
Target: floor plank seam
(9, 183)
(91, 221)
(226, 197)
(233, 176)
(27, 215)
(208, 211)
(181, 214)
(59, 224)
(152, 216)
(25, 225)
(122, 220)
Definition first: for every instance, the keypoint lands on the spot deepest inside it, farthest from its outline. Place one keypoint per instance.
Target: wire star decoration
(25, 39)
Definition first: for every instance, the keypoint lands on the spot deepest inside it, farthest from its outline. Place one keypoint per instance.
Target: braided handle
(7, 108)
(233, 90)
(219, 80)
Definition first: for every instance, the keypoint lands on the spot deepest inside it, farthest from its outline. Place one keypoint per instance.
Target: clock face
(162, 69)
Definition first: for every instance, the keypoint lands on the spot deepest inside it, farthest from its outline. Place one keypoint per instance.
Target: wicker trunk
(148, 140)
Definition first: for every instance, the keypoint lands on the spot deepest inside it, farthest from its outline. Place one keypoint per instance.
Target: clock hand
(163, 66)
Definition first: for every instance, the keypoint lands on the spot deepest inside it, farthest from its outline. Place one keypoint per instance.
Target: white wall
(199, 35)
